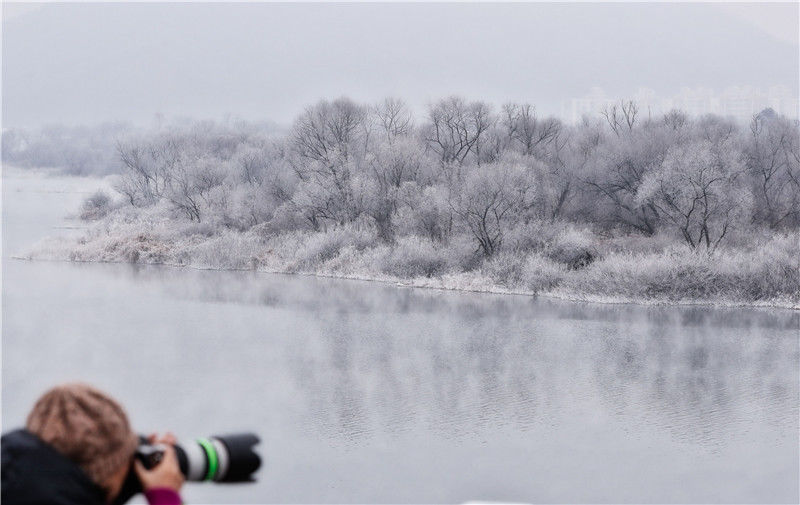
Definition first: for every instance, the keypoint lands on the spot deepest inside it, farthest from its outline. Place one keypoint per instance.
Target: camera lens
(223, 458)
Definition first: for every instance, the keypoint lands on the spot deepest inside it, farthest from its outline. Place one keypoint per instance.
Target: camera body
(150, 455)
(220, 458)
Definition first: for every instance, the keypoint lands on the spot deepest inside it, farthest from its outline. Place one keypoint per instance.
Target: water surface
(366, 392)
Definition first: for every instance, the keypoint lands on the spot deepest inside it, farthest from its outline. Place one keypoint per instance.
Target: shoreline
(759, 273)
(494, 290)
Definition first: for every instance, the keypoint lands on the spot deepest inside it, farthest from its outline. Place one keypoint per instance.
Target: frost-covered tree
(192, 184)
(621, 117)
(389, 165)
(327, 199)
(528, 132)
(455, 128)
(621, 165)
(261, 181)
(251, 163)
(425, 211)
(570, 196)
(329, 141)
(393, 118)
(489, 198)
(465, 174)
(699, 189)
(329, 131)
(774, 164)
(149, 166)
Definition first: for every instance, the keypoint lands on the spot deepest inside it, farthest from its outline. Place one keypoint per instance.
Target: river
(368, 392)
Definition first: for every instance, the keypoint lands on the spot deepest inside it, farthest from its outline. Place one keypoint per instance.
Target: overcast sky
(84, 63)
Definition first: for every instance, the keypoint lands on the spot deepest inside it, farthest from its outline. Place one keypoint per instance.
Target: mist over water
(368, 392)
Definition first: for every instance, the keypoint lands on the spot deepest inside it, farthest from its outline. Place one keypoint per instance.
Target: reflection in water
(429, 396)
(463, 363)
(324, 294)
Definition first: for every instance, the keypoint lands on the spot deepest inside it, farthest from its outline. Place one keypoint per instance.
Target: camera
(224, 458)
(219, 458)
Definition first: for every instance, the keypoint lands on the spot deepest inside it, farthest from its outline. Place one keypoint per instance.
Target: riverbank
(763, 274)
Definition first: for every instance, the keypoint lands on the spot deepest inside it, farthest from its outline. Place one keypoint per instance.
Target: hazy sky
(80, 63)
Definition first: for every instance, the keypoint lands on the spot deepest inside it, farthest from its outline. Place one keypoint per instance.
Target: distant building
(739, 102)
(649, 103)
(695, 102)
(783, 102)
(589, 105)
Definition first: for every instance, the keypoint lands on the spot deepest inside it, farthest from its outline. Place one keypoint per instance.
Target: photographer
(78, 448)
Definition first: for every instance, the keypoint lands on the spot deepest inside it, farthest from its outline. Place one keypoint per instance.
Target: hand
(167, 474)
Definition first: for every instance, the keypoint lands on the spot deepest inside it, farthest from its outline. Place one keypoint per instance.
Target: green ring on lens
(211, 453)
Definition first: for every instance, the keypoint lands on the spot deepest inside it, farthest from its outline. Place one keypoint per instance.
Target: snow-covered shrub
(415, 257)
(96, 206)
(145, 248)
(356, 264)
(573, 247)
(534, 235)
(284, 219)
(769, 272)
(505, 268)
(542, 274)
(322, 246)
(462, 254)
(228, 251)
(193, 228)
(636, 243)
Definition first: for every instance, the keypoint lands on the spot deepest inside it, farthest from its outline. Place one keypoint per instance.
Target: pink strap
(162, 496)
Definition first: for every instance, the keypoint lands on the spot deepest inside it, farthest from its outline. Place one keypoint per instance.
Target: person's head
(89, 428)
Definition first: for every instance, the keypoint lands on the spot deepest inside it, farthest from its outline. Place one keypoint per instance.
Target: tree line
(470, 169)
